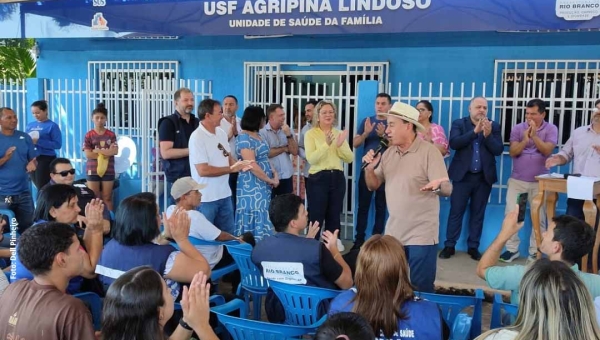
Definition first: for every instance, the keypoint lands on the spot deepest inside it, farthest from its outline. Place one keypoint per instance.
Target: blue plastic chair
(461, 329)
(215, 274)
(243, 329)
(301, 303)
(452, 305)
(502, 312)
(252, 280)
(95, 303)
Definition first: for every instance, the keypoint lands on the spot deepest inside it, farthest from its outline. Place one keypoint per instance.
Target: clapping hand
(93, 216)
(313, 229)
(380, 129)
(178, 225)
(341, 138)
(196, 306)
(368, 126)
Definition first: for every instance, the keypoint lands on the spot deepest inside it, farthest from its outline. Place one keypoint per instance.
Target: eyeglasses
(65, 173)
(225, 153)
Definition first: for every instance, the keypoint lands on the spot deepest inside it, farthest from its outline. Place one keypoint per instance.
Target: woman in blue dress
(254, 186)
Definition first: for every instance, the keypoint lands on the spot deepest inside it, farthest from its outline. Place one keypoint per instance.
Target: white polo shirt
(202, 229)
(204, 148)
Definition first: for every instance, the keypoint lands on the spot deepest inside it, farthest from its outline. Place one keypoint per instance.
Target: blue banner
(117, 18)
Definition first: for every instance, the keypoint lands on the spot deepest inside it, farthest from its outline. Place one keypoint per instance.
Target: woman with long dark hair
(138, 305)
(385, 297)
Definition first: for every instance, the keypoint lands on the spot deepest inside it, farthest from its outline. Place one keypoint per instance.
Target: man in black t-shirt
(174, 133)
(293, 258)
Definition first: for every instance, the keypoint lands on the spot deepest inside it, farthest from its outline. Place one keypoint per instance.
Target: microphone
(383, 144)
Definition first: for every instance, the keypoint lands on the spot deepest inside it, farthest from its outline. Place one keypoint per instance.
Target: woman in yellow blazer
(326, 148)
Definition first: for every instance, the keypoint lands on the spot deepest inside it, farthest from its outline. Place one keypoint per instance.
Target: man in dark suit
(477, 142)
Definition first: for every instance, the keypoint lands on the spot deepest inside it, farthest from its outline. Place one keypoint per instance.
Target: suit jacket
(462, 135)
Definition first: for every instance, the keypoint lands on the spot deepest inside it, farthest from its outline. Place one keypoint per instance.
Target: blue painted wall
(418, 57)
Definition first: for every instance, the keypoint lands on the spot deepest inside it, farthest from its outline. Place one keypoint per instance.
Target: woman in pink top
(433, 133)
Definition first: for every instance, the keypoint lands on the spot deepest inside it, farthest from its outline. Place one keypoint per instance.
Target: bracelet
(185, 325)
(336, 255)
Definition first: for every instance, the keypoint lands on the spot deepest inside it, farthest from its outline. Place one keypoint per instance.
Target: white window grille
(119, 83)
(13, 95)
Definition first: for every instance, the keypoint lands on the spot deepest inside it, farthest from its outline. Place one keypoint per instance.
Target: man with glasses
(211, 163)
(62, 172)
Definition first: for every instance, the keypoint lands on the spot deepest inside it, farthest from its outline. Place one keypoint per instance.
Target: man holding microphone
(415, 175)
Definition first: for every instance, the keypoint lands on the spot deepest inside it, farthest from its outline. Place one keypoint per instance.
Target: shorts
(96, 178)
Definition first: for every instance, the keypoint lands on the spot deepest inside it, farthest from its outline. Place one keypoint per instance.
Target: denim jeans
(22, 206)
(220, 213)
(422, 261)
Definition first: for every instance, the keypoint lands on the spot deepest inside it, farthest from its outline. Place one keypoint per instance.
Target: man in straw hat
(414, 174)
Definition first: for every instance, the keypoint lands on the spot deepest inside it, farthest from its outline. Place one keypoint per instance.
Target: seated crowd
(143, 262)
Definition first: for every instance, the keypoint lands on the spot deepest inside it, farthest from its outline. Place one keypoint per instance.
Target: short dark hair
(272, 108)
(313, 102)
(232, 97)
(541, 106)
(135, 220)
(101, 109)
(597, 102)
(178, 93)
(206, 107)
(576, 236)
(2, 109)
(384, 95)
(252, 118)
(283, 210)
(38, 246)
(352, 325)
(40, 104)
(131, 306)
(52, 196)
(57, 161)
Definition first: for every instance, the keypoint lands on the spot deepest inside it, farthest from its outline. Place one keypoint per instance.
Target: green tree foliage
(16, 59)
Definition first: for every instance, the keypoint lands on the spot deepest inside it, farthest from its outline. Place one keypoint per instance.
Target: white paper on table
(552, 175)
(581, 188)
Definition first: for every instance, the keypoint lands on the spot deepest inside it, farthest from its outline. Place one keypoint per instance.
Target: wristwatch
(185, 325)
(437, 191)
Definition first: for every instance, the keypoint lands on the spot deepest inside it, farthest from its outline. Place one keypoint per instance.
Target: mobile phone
(522, 202)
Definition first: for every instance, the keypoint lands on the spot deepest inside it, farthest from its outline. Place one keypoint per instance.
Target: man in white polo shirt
(211, 163)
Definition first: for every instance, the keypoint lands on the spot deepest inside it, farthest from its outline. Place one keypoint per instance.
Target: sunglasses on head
(65, 173)
(225, 153)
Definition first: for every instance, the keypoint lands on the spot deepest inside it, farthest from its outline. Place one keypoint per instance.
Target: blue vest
(284, 247)
(180, 167)
(118, 257)
(424, 317)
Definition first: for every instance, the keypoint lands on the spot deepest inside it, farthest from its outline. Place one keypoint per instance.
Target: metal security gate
(268, 83)
(569, 88)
